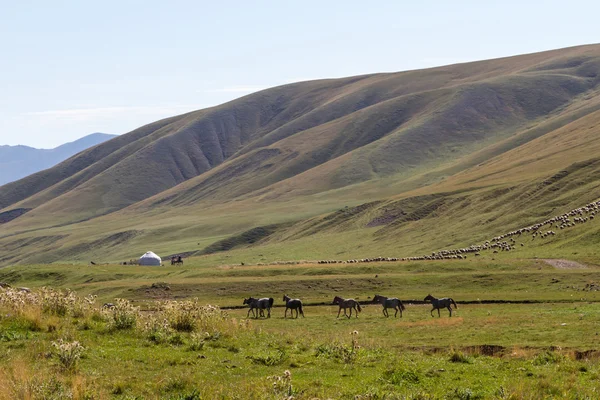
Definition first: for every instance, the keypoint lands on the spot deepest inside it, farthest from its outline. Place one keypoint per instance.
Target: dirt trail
(564, 264)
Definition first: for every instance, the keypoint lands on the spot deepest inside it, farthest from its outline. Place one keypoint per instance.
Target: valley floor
(523, 329)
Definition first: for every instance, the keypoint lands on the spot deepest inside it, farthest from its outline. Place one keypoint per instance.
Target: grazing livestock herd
(258, 306)
(504, 242)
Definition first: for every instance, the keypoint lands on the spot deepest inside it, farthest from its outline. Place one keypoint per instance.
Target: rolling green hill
(463, 150)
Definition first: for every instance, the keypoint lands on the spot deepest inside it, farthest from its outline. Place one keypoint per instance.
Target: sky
(71, 68)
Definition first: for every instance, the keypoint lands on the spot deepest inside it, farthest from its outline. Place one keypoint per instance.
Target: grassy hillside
(442, 157)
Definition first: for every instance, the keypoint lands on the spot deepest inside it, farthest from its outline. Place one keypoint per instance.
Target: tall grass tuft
(458, 357)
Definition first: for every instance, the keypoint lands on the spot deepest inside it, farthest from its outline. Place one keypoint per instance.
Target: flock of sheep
(505, 242)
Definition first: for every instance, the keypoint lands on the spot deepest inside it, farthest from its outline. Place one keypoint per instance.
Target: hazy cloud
(82, 114)
(50, 128)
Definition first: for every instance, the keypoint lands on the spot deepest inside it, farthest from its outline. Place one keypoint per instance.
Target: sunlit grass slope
(466, 149)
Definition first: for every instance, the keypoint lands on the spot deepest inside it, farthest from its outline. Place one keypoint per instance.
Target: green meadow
(523, 329)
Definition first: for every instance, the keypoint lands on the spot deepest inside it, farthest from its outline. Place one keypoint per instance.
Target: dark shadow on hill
(9, 215)
(249, 237)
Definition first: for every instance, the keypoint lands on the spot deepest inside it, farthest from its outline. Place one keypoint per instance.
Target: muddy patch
(586, 355)
(490, 350)
(156, 291)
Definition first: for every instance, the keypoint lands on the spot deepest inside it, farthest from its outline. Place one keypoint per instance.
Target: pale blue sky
(70, 68)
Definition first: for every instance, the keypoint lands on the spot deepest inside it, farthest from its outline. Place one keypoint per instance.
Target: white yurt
(149, 258)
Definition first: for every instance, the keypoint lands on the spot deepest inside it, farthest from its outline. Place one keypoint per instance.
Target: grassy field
(467, 280)
(523, 329)
(387, 165)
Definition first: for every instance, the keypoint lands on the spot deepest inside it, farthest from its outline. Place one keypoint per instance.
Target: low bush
(123, 315)
(458, 357)
(68, 353)
(269, 359)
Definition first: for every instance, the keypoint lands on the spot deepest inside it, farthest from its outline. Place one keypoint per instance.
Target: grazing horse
(389, 302)
(347, 303)
(446, 302)
(292, 304)
(176, 260)
(260, 304)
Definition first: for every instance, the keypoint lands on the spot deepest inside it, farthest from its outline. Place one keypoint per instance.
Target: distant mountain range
(17, 162)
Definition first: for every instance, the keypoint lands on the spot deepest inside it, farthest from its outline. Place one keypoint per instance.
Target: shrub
(176, 339)
(123, 315)
(269, 359)
(189, 315)
(157, 330)
(57, 302)
(464, 394)
(338, 351)
(193, 395)
(458, 357)
(36, 387)
(547, 357)
(197, 341)
(400, 376)
(68, 353)
(282, 385)
(9, 336)
(175, 384)
(182, 315)
(18, 301)
(47, 301)
(85, 307)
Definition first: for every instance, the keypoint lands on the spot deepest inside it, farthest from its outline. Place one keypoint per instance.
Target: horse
(292, 304)
(347, 303)
(176, 260)
(446, 302)
(389, 302)
(260, 305)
